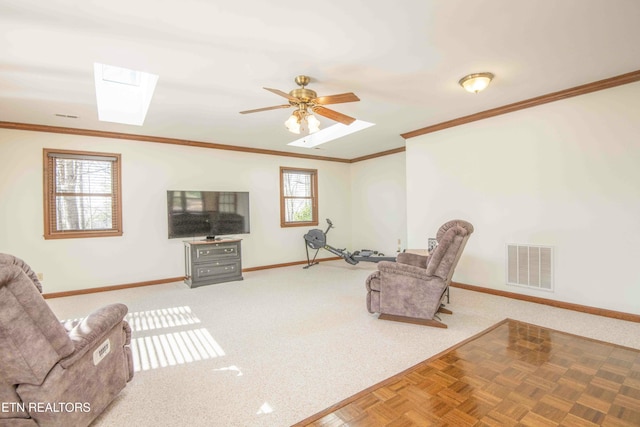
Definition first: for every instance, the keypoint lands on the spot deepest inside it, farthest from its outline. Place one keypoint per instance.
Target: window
(81, 194)
(298, 197)
(187, 201)
(227, 202)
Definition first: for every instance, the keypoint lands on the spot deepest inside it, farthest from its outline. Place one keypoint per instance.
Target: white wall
(564, 174)
(144, 253)
(378, 204)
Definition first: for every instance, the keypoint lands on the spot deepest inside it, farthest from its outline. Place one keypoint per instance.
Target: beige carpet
(286, 343)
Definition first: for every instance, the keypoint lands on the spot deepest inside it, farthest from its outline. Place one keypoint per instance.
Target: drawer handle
(204, 252)
(229, 250)
(226, 267)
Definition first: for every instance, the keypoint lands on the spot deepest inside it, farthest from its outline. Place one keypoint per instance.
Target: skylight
(329, 134)
(123, 95)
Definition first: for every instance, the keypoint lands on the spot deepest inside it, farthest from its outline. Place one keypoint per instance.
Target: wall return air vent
(530, 266)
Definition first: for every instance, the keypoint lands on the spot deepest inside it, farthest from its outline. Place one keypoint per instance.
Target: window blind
(83, 194)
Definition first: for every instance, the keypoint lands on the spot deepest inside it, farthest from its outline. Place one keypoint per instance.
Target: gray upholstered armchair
(411, 289)
(52, 375)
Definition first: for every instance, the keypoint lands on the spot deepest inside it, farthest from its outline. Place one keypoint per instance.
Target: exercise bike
(317, 239)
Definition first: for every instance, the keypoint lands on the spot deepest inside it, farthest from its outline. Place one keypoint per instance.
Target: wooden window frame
(314, 198)
(50, 231)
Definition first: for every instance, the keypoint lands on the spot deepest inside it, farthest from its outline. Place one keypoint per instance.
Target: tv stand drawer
(216, 251)
(216, 269)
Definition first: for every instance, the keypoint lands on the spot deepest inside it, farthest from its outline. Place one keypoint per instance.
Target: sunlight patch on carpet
(265, 409)
(232, 368)
(161, 318)
(171, 349)
(151, 350)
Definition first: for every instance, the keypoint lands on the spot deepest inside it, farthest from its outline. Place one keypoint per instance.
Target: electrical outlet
(40, 276)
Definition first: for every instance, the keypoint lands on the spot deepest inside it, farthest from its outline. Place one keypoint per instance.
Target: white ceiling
(403, 59)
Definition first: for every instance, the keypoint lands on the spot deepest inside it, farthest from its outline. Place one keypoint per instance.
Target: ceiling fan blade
(284, 94)
(336, 99)
(334, 115)
(257, 110)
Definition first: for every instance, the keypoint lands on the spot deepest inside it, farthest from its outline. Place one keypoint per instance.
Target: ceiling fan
(307, 102)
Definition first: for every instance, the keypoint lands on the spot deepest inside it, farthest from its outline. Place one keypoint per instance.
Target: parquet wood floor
(513, 374)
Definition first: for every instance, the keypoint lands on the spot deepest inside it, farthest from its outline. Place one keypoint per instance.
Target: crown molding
(183, 142)
(380, 154)
(160, 140)
(622, 79)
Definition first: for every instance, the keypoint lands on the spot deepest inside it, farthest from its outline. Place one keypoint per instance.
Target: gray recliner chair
(411, 289)
(52, 375)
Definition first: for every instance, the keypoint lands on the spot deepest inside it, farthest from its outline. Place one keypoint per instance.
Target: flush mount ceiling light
(476, 82)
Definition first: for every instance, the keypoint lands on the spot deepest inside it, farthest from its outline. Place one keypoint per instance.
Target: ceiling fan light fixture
(293, 123)
(314, 124)
(301, 120)
(476, 82)
(308, 105)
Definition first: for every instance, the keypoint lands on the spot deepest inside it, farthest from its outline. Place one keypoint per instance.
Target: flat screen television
(207, 213)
